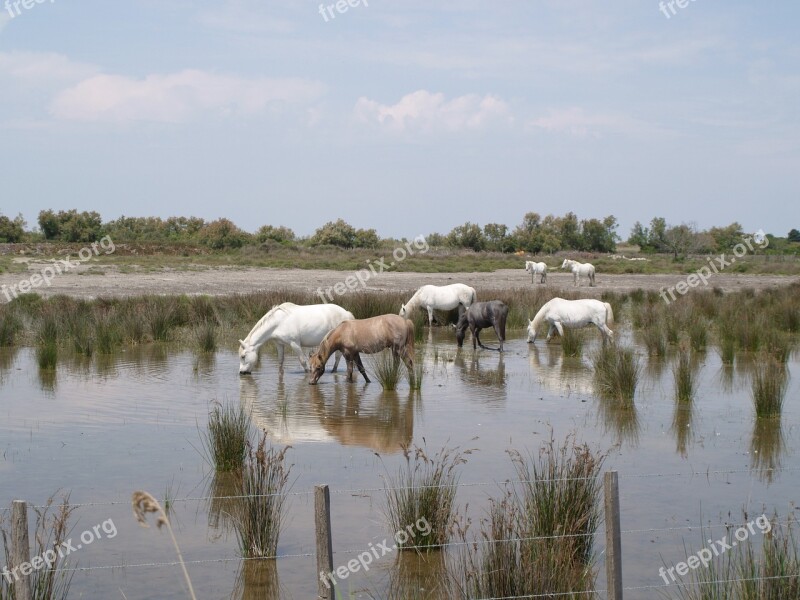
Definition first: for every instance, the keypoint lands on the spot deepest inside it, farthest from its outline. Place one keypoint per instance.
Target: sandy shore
(90, 282)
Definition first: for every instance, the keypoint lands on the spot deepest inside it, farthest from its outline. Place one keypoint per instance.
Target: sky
(402, 115)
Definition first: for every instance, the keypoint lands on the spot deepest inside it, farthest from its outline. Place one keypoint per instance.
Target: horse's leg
(360, 366)
(591, 279)
(560, 328)
(299, 351)
(280, 357)
(476, 337)
(336, 360)
(499, 329)
(575, 274)
(430, 316)
(349, 360)
(550, 332)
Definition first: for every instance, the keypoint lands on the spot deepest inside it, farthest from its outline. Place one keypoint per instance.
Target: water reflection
(221, 504)
(419, 575)
(8, 356)
(619, 419)
(350, 414)
(767, 446)
(556, 372)
(257, 580)
(479, 368)
(682, 427)
(47, 380)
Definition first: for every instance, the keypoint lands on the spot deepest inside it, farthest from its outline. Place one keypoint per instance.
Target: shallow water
(103, 428)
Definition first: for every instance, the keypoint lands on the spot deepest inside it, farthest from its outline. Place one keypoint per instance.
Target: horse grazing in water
(535, 268)
(434, 297)
(291, 325)
(369, 336)
(578, 268)
(479, 316)
(572, 314)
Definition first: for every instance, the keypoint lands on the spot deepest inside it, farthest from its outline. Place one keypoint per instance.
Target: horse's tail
(474, 297)
(410, 337)
(609, 314)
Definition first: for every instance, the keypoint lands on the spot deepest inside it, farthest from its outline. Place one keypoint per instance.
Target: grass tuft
(227, 437)
(617, 372)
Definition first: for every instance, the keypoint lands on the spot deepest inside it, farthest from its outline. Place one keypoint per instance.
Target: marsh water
(105, 427)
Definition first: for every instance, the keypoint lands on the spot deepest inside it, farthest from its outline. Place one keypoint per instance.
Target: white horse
(578, 268)
(434, 297)
(535, 268)
(572, 314)
(291, 325)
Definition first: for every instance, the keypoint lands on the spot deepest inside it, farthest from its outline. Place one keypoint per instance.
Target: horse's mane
(285, 307)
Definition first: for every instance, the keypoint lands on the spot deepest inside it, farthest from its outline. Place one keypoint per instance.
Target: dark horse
(480, 315)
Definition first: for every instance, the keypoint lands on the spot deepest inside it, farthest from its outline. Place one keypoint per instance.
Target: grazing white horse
(578, 268)
(535, 268)
(572, 314)
(291, 325)
(435, 297)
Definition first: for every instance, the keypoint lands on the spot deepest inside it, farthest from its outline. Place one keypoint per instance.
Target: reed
(770, 381)
(47, 341)
(227, 437)
(683, 373)
(387, 368)
(206, 336)
(424, 487)
(572, 343)
(617, 372)
(259, 518)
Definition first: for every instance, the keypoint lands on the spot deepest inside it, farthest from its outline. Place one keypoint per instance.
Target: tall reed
(770, 381)
(572, 343)
(387, 368)
(227, 436)
(617, 372)
(683, 373)
(260, 517)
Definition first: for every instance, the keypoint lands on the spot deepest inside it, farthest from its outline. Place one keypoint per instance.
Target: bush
(222, 234)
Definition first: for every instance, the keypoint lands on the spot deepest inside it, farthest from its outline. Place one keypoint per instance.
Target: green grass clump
(227, 437)
(424, 488)
(770, 380)
(617, 372)
(258, 521)
(387, 368)
(538, 537)
(683, 373)
(9, 326)
(206, 336)
(572, 343)
(47, 341)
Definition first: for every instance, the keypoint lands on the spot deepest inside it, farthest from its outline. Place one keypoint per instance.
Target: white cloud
(43, 67)
(426, 112)
(577, 122)
(178, 97)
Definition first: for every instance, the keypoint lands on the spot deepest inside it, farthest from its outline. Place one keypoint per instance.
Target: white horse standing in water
(536, 268)
(578, 268)
(572, 314)
(291, 325)
(435, 297)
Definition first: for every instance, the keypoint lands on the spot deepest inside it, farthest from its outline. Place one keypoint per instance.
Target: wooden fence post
(322, 520)
(613, 541)
(20, 551)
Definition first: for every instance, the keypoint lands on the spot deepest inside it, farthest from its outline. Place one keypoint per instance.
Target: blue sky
(405, 116)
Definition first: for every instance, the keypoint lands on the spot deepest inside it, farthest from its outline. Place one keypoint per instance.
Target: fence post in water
(322, 520)
(613, 542)
(20, 551)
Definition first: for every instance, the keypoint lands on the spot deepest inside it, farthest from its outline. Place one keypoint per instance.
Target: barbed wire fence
(20, 553)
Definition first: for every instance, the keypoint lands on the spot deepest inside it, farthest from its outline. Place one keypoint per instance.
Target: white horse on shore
(435, 297)
(572, 314)
(291, 325)
(536, 268)
(578, 268)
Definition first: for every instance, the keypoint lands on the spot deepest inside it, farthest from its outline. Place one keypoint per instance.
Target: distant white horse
(291, 325)
(579, 269)
(572, 314)
(434, 297)
(535, 268)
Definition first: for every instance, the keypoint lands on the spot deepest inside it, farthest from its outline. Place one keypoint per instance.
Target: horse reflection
(346, 414)
(559, 373)
(474, 370)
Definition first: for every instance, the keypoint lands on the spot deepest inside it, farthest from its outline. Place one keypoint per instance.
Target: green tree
(12, 231)
(726, 238)
(599, 236)
(335, 233)
(222, 234)
(468, 235)
(638, 236)
(71, 226)
(794, 235)
(497, 238)
(656, 238)
(277, 234)
(680, 240)
(366, 238)
(569, 228)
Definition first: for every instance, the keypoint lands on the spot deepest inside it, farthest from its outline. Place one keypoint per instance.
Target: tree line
(535, 234)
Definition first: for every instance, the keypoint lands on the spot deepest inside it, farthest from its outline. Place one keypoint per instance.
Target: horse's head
(531, 332)
(567, 262)
(461, 328)
(317, 367)
(403, 311)
(247, 357)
